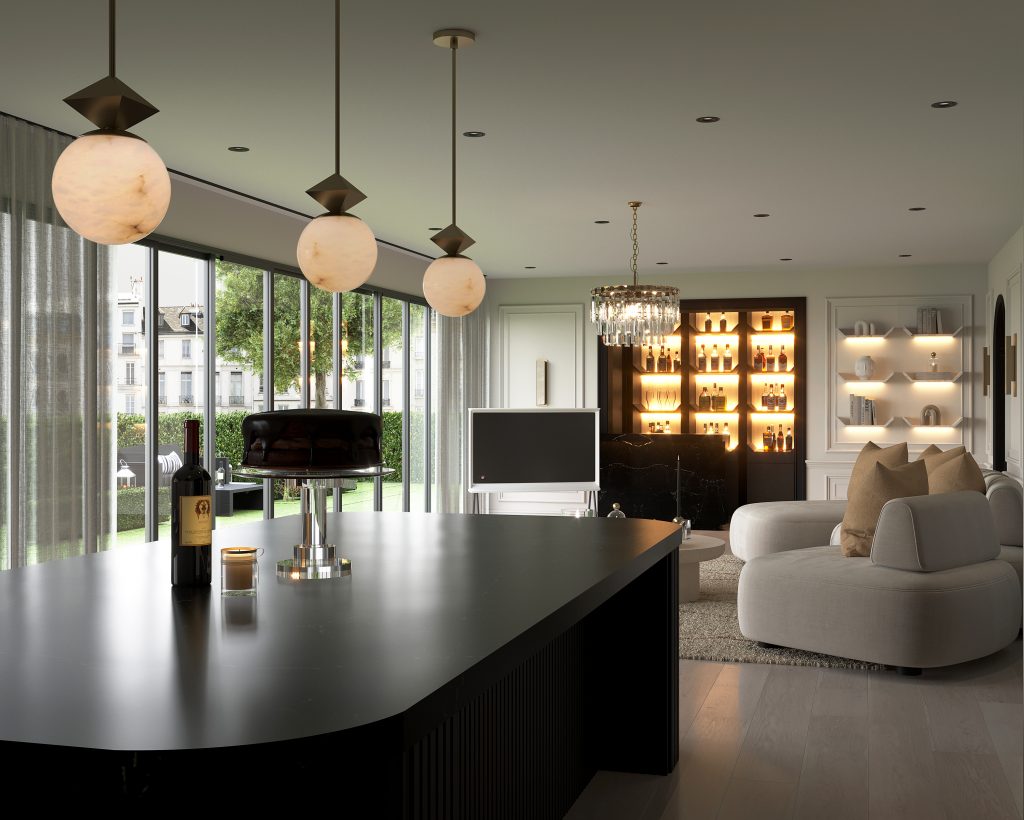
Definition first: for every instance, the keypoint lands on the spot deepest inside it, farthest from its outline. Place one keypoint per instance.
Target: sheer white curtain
(57, 423)
(462, 383)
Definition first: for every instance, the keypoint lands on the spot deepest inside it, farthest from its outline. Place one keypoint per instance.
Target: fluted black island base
(471, 666)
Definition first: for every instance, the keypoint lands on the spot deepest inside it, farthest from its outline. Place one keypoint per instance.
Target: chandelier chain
(636, 243)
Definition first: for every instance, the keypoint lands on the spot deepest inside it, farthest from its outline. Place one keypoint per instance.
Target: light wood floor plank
(762, 799)
(774, 746)
(1005, 722)
(974, 786)
(842, 693)
(833, 781)
(695, 681)
(955, 720)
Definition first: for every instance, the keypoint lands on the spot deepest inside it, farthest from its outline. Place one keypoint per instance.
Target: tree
(240, 327)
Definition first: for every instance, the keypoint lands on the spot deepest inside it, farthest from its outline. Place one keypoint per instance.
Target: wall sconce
(1011, 365)
(986, 371)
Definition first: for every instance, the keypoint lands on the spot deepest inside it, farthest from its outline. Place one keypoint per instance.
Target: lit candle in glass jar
(238, 570)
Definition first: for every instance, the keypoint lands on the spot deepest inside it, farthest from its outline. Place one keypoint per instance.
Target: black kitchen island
(470, 666)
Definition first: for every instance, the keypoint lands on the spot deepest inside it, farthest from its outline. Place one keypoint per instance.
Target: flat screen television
(533, 450)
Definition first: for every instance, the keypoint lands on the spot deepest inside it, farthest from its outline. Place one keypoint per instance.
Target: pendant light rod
(455, 51)
(636, 244)
(337, 86)
(112, 24)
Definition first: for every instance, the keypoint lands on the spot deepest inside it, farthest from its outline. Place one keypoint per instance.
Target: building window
(128, 318)
(260, 384)
(360, 400)
(160, 348)
(127, 344)
(385, 392)
(186, 320)
(418, 385)
(186, 348)
(129, 403)
(419, 345)
(161, 388)
(237, 395)
(129, 373)
(385, 361)
(185, 393)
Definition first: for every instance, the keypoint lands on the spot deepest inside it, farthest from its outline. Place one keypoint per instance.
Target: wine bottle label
(196, 520)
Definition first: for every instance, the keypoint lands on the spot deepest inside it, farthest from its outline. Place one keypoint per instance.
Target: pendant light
(109, 185)
(634, 314)
(337, 251)
(453, 284)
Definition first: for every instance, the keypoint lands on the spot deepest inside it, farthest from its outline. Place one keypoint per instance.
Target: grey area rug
(710, 631)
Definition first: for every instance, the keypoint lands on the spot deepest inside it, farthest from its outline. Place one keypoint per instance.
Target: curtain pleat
(57, 457)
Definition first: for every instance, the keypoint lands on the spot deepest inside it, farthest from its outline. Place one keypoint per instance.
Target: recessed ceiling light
(238, 149)
(944, 104)
(905, 256)
(435, 229)
(708, 119)
(601, 221)
(785, 258)
(474, 134)
(661, 263)
(919, 208)
(761, 216)
(530, 267)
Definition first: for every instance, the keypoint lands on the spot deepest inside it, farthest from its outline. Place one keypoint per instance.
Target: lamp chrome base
(313, 563)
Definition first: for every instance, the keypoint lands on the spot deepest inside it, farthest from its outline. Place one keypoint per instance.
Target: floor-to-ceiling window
(392, 401)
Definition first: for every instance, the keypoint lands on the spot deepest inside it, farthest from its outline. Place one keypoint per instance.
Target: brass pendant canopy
(111, 105)
(336, 194)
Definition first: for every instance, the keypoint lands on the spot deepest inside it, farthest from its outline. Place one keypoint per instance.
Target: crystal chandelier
(634, 314)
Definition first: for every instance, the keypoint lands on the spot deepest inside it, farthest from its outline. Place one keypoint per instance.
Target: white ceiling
(825, 106)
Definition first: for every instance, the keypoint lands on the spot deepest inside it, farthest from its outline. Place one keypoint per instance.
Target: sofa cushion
(1013, 556)
(958, 474)
(931, 533)
(934, 457)
(773, 526)
(1007, 504)
(869, 496)
(870, 455)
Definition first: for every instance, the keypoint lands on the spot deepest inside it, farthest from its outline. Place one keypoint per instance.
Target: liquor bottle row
(713, 402)
(786, 321)
(715, 430)
(769, 362)
(663, 362)
(767, 321)
(714, 363)
(773, 440)
(658, 427)
(771, 400)
(710, 327)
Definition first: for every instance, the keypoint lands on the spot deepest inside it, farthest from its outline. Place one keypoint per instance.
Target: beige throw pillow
(955, 475)
(870, 455)
(933, 457)
(880, 485)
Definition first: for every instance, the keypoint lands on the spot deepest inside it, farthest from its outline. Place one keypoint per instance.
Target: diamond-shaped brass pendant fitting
(452, 240)
(111, 105)
(336, 194)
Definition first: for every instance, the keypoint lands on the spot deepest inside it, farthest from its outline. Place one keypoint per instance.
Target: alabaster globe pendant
(337, 251)
(109, 185)
(453, 284)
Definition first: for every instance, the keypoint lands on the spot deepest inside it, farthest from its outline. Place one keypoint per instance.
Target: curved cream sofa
(933, 593)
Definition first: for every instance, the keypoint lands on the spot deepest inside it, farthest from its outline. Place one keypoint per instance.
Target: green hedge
(131, 431)
(131, 507)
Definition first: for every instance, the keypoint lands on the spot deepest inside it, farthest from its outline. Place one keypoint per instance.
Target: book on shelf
(929, 320)
(862, 410)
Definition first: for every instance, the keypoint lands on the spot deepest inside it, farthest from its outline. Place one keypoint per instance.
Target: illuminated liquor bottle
(766, 437)
(707, 323)
(649, 361)
(787, 321)
(702, 359)
(721, 323)
(759, 359)
(766, 321)
(783, 400)
(770, 360)
(783, 359)
(764, 396)
(708, 430)
(727, 358)
(780, 440)
(789, 438)
(714, 357)
(725, 430)
(704, 401)
(705, 428)
(662, 361)
(772, 400)
(717, 431)
(677, 364)
(721, 400)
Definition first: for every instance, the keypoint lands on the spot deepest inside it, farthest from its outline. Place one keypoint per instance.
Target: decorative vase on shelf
(864, 367)
(933, 363)
(860, 328)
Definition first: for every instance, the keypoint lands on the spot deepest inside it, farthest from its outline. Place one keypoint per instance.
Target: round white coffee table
(693, 551)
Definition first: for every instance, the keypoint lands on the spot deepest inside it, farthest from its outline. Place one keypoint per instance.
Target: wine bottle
(707, 323)
(725, 430)
(662, 361)
(705, 429)
(721, 400)
(191, 517)
(789, 438)
(704, 401)
(780, 441)
(764, 396)
(649, 362)
(721, 323)
(770, 360)
(782, 399)
(650, 427)
(714, 357)
(759, 359)
(783, 359)
(708, 430)
(787, 321)
(702, 360)
(765, 436)
(677, 364)
(727, 358)
(717, 431)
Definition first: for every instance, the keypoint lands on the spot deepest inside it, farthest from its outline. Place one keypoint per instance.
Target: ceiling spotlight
(238, 149)
(109, 185)
(474, 134)
(453, 284)
(661, 263)
(435, 229)
(785, 258)
(905, 256)
(761, 216)
(601, 221)
(944, 104)
(916, 209)
(708, 119)
(529, 267)
(337, 251)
